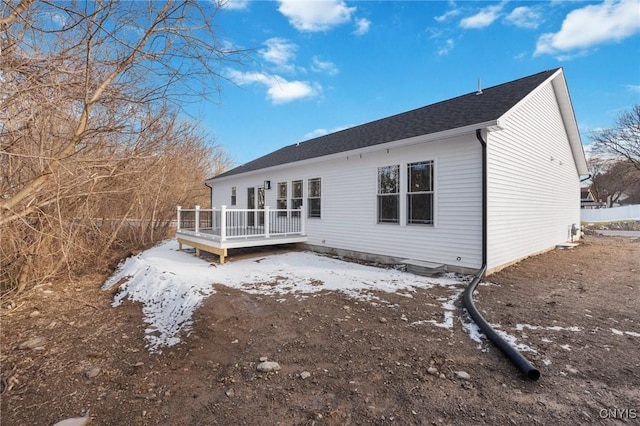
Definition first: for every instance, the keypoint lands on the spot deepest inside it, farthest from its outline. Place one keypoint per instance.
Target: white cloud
(326, 67)
(58, 19)
(314, 16)
(279, 51)
(315, 134)
(524, 17)
(234, 4)
(450, 14)
(321, 132)
(279, 90)
(612, 20)
(633, 87)
(520, 56)
(482, 19)
(362, 26)
(448, 45)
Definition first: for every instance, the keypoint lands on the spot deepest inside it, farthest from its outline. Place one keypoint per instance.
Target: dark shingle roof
(454, 113)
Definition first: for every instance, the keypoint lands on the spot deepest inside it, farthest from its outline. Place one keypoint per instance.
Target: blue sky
(321, 66)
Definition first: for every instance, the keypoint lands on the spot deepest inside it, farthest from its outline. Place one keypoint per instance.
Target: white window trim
(377, 190)
(305, 190)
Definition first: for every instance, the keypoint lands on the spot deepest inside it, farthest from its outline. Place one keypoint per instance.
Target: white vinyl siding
(349, 202)
(533, 186)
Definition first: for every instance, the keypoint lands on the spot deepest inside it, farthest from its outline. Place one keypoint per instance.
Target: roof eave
(431, 137)
(571, 124)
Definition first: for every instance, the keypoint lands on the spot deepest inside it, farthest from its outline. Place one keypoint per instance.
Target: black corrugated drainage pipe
(467, 298)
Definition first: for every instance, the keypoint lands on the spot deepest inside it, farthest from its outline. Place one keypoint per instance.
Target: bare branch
(622, 141)
(14, 12)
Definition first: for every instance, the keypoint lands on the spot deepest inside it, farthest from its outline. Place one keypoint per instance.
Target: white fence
(613, 214)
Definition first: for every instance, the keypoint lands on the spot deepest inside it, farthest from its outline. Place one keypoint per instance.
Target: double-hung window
(389, 194)
(313, 198)
(296, 196)
(233, 196)
(282, 198)
(420, 193)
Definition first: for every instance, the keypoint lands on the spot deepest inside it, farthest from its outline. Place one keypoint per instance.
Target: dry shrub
(94, 158)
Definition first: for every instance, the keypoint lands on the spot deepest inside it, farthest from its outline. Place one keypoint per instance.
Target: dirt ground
(343, 361)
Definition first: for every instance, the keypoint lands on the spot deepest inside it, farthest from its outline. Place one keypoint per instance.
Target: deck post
(223, 223)
(178, 218)
(266, 222)
(302, 219)
(197, 219)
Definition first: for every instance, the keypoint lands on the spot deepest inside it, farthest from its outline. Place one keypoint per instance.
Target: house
(588, 201)
(483, 179)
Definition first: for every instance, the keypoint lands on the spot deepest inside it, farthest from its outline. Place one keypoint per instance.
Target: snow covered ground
(171, 284)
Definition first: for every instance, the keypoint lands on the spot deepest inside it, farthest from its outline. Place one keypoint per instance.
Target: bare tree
(93, 155)
(614, 181)
(623, 140)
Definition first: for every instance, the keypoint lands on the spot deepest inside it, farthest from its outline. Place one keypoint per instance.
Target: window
(420, 193)
(282, 198)
(233, 195)
(388, 194)
(296, 196)
(313, 200)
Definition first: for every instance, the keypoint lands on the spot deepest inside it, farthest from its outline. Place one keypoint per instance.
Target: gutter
(467, 298)
(414, 140)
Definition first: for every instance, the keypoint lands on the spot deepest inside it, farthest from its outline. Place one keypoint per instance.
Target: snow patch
(513, 340)
(520, 327)
(171, 284)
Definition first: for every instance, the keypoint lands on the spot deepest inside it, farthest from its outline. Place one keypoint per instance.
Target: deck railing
(223, 223)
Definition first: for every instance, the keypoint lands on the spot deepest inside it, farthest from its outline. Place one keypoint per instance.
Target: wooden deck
(217, 230)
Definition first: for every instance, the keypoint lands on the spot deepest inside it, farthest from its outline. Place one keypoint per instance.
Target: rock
(78, 421)
(305, 375)
(571, 370)
(463, 375)
(32, 343)
(433, 371)
(268, 366)
(34, 313)
(263, 358)
(383, 320)
(94, 372)
(230, 393)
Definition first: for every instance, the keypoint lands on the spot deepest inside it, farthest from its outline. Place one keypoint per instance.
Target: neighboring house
(588, 201)
(410, 186)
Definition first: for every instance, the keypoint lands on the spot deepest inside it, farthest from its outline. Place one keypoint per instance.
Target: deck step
(420, 267)
(564, 246)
